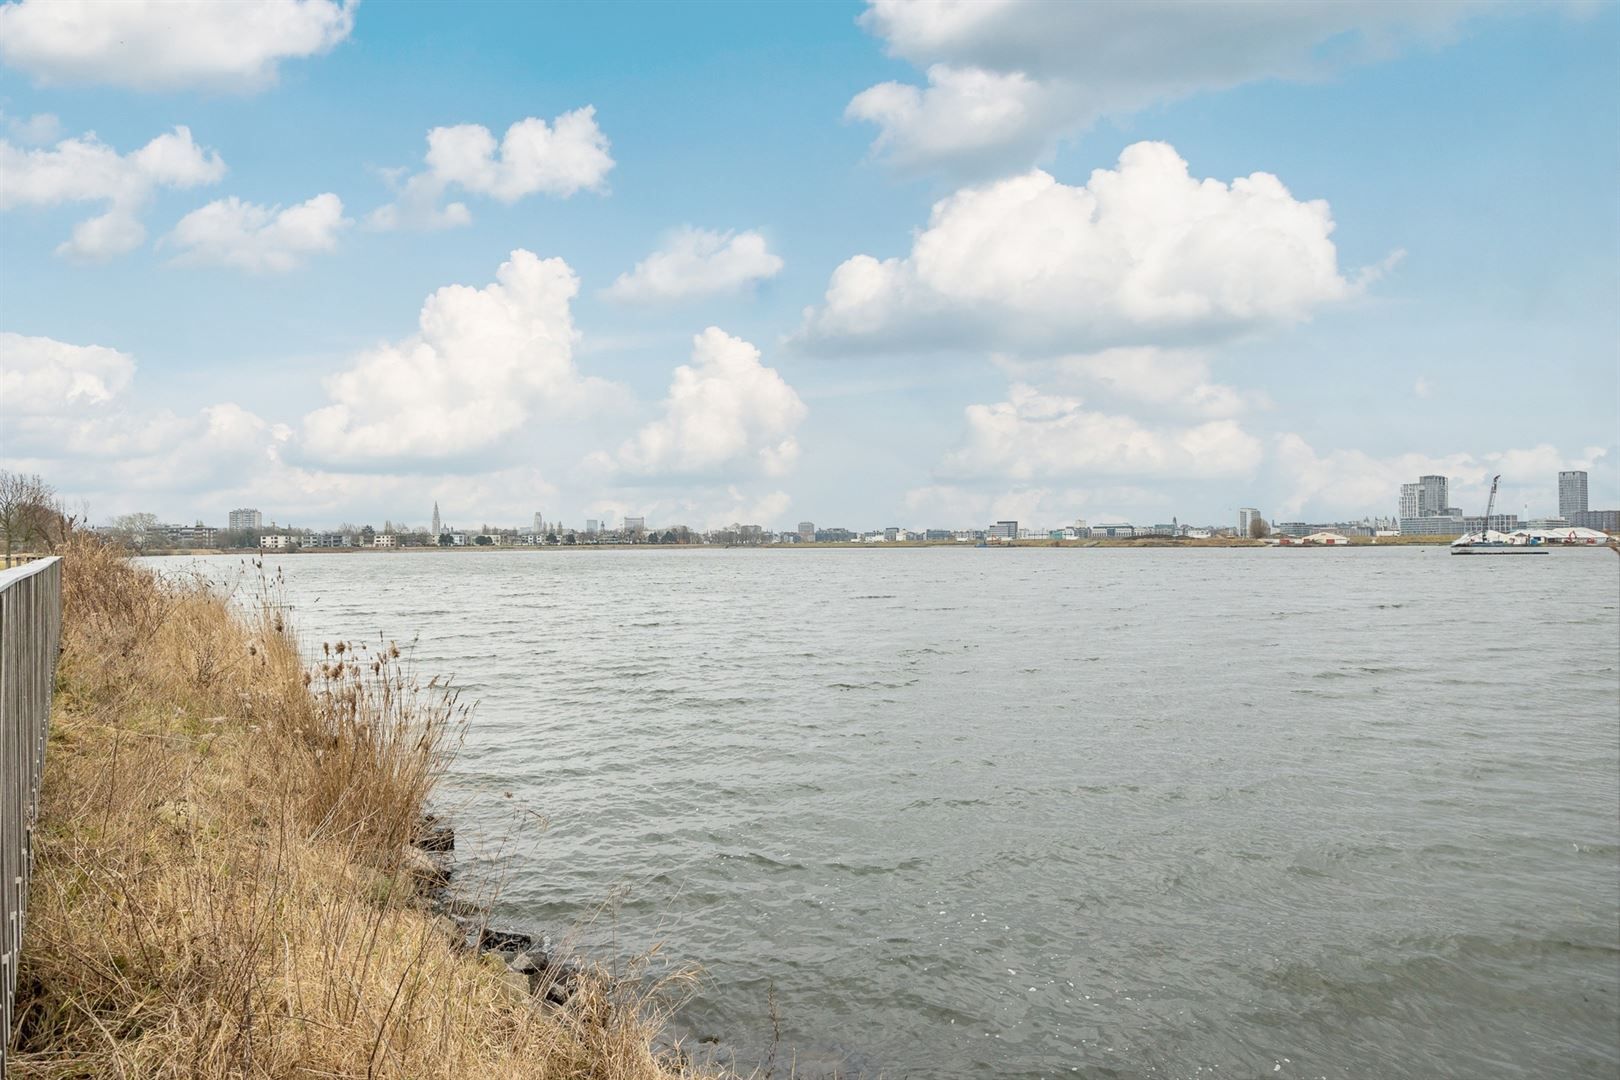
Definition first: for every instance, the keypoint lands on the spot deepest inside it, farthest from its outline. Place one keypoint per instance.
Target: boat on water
(1490, 542)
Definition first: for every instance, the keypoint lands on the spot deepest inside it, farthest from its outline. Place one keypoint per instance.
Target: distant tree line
(31, 516)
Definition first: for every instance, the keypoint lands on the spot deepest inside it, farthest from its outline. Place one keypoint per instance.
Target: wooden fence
(30, 635)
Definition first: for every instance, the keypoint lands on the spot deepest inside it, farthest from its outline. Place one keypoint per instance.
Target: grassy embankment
(222, 885)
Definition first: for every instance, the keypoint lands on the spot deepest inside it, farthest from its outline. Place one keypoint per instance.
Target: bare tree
(28, 510)
(1258, 529)
(132, 529)
(135, 523)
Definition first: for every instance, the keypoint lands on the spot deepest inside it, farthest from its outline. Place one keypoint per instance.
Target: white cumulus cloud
(69, 415)
(167, 44)
(708, 507)
(1349, 481)
(230, 232)
(964, 115)
(569, 155)
(36, 130)
(698, 262)
(725, 412)
(482, 364)
(1006, 78)
(1173, 381)
(1035, 435)
(739, 508)
(85, 169)
(1141, 254)
(42, 376)
(1038, 506)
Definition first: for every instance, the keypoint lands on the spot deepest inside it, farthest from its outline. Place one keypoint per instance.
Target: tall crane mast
(1489, 506)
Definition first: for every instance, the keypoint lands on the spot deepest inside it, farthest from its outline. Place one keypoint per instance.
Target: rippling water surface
(1034, 812)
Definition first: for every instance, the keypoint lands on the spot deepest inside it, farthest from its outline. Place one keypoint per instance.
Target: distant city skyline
(878, 263)
(1426, 498)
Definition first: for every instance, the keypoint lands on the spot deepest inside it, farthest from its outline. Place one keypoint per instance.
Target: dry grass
(219, 888)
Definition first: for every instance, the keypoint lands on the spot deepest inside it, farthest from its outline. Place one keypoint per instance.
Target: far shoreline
(1134, 542)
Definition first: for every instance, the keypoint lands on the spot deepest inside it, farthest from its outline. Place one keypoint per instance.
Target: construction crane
(1485, 527)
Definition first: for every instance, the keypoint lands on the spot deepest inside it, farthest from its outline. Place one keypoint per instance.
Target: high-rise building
(807, 531)
(1426, 499)
(1433, 497)
(635, 524)
(438, 527)
(1571, 493)
(539, 523)
(592, 526)
(1429, 496)
(1409, 501)
(1247, 516)
(251, 519)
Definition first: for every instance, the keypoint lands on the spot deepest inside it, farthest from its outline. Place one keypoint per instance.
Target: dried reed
(219, 888)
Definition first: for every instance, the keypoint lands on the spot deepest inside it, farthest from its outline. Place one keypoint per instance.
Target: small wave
(1511, 948)
(876, 684)
(865, 870)
(754, 858)
(921, 804)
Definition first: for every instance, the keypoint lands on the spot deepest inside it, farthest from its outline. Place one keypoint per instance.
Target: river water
(1039, 813)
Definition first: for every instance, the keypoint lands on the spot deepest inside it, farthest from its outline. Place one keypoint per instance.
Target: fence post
(30, 636)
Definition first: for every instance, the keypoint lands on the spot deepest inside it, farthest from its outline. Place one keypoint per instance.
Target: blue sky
(1326, 248)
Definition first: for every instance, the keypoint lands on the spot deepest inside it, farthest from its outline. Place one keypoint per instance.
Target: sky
(916, 264)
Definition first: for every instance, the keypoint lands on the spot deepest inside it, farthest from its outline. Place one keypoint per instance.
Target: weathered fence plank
(30, 635)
